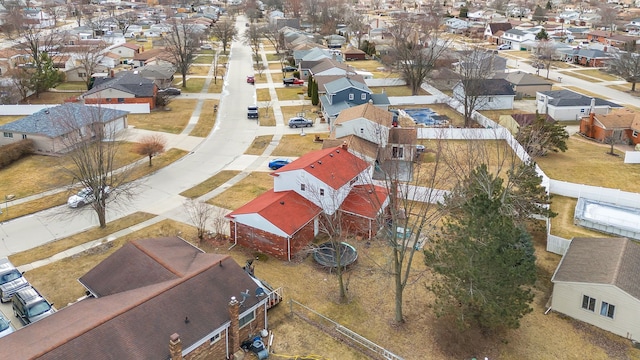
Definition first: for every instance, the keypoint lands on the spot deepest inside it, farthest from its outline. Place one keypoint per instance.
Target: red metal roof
(286, 210)
(333, 166)
(365, 200)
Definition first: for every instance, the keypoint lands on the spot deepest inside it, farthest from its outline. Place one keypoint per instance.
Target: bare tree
(608, 17)
(252, 37)
(124, 21)
(615, 137)
(89, 57)
(626, 64)
(20, 81)
(225, 31)
(199, 213)
(545, 52)
(150, 145)
(358, 26)
(182, 44)
(90, 135)
(418, 46)
(219, 222)
(475, 67)
(274, 37)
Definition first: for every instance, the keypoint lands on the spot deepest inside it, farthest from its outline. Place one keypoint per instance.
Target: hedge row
(13, 152)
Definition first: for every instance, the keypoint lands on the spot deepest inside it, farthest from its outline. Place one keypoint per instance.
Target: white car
(5, 326)
(85, 196)
(504, 47)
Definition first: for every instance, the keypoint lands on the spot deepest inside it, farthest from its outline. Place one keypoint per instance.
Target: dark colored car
(278, 163)
(251, 80)
(289, 69)
(296, 122)
(292, 81)
(170, 91)
(252, 112)
(538, 65)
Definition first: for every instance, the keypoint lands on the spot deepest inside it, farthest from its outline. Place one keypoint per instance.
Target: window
(588, 303)
(351, 96)
(397, 152)
(321, 192)
(120, 100)
(490, 99)
(303, 187)
(607, 309)
(214, 338)
(8, 135)
(82, 75)
(247, 319)
(363, 96)
(635, 133)
(24, 136)
(582, 110)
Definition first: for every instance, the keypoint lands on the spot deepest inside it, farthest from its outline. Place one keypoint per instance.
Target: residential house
(493, 31)
(335, 41)
(323, 65)
(567, 105)
(577, 33)
(525, 84)
(598, 287)
(285, 220)
(586, 57)
(621, 41)
(155, 56)
(161, 74)
(157, 298)
(109, 60)
(620, 124)
(488, 94)
(352, 53)
(124, 87)
(455, 25)
(56, 129)
(633, 27)
(516, 38)
(126, 50)
(482, 61)
(444, 79)
(344, 93)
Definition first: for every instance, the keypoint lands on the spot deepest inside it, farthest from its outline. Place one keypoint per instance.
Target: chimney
(344, 145)
(234, 328)
(112, 73)
(175, 347)
(592, 107)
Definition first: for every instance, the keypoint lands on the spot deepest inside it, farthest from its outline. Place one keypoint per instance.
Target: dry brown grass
(578, 75)
(296, 145)
(216, 84)
(7, 119)
(365, 65)
(259, 144)
(263, 95)
(586, 162)
(595, 73)
(199, 70)
(267, 117)
(293, 92)
(562, 225)
(291, 111)
(209, 184)
(51, 97)
(247, 189)
(396, 90)
(173, 121)
(207, 119)
(495, 114)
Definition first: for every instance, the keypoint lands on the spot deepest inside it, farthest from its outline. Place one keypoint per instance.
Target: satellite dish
(260, 292)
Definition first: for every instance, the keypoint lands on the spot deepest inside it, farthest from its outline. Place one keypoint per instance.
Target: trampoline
(326, 255)
(427, 117)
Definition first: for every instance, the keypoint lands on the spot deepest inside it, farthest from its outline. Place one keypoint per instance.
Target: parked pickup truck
(252, 112)
(292, 81)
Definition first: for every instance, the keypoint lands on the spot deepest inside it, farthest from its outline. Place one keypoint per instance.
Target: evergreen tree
(542, 35)
(542, 136)
(45, 76)
(482, 258)
(548, 6)
(538, 16)
(314, 94)
(310, 86)
(464, 11)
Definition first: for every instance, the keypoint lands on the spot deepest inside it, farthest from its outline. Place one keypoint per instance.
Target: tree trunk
(101, 210)
(150, 156)
(184, 80)
(633, 86)
(397, 268)
(343, 293)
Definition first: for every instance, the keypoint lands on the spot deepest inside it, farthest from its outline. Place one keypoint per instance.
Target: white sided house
(567, 105)
(54, 130)
(597, 282)
(364, 121)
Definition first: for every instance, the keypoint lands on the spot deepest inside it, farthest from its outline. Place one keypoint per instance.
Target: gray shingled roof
(571, 98)
(345, 83)
(614, 261)
(492, 86)
(53, 122)
(124, 81)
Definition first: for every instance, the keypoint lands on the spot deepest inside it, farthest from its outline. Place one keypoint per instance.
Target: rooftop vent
(281, 202)
(331, 155)
(312, 166)
(320, 162)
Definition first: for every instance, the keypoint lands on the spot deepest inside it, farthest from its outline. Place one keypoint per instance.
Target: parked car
(289, 68)
(504, 47)
(252, 112)
(251, 80)
(85, 196)
(278, 163)
(538, 65)
(206, 47)
(29, 306)
(170, 91)
(299, 121)
(11, 280)
(420, 148)
(292, 81)
(5, 326)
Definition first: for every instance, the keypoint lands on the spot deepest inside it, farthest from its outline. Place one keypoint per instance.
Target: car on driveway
(289, 68)
(538, 65)
(206, 47)
(276, 164)
(11, 280)
(5, 326)
(85, 196)
(170, 91)
(299, 121)
(292, 81)
(504, 47)
(251, 80)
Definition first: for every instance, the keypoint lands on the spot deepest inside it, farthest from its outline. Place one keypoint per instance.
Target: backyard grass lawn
(51, 97)
(598, 74)
(203, 59)
(267, 117)
(562, 225)
(263, 95)
(308, 111)
(198, 70)
(259, 144)
(396, 90)
(293, 92)
(206, 121)
(209, 184)
(10, 118)
(247, 189)
(365, 65)
(495, 114)
(296, 145)
(586, 162)
(72, 85)
(369, 310)
(173, 121)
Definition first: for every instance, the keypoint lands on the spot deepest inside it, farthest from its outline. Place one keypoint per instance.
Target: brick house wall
(269, 243)
(145, 100)
(358, 226)
(599, 134)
